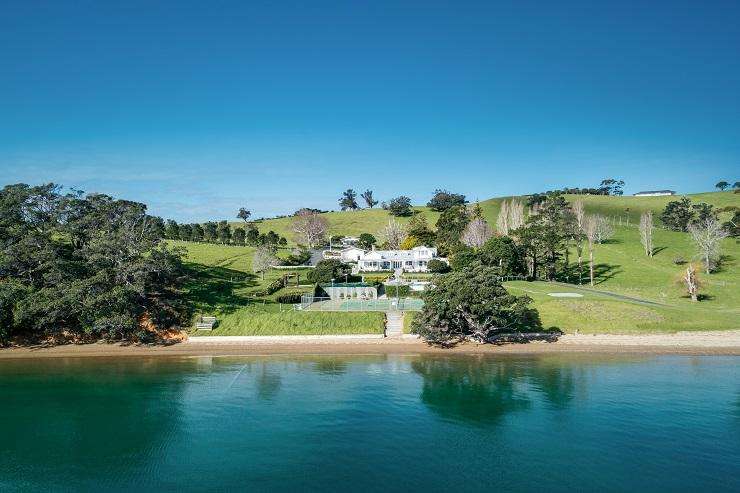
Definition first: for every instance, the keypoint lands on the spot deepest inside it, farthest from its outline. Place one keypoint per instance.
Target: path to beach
(720, 342)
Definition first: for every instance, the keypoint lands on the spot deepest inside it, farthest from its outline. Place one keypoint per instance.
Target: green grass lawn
(222, 284)
(257, 320)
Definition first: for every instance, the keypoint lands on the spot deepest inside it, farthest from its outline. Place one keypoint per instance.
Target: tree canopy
(472, 303)
(444, 199)
(87, 265)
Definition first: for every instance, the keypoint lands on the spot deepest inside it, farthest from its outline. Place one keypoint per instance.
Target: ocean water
(371, 423)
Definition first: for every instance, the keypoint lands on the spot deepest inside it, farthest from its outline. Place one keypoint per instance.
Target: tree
(736, 186)
(253, 237)
(244, 215)
(366, 241)
(263, 259)
(409, 242)
(186, 232)
(579, 211)
(437, 266)
(400, 206)
(444, 199)
(610, 186)
(502, 222)
(239, 236)
(707, 236)
(393, 234)
(677, 214)
(603, 229)
(476, 233)
(224, 232)
(197, 232)
(310, 228)
(418, 228)
(545, 234)
(172, 230)
(450, 226)
(590, 230)
(326, 270)
(733, 225)
(473, 304)
(91, 266)
(367, 195)
(210, 231)
(722, 185)
(348, 200)
(690, 279)
(646, 232)
(504, 254)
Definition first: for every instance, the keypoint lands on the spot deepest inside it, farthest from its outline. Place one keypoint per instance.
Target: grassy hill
(353, 223)
(633, 293)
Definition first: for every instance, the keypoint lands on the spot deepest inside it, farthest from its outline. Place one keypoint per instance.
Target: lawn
(222, 284)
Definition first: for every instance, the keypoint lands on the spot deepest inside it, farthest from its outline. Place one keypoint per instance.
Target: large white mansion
(414, 260)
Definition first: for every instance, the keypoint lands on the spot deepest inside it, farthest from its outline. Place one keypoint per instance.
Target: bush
(437, 266)
(402, 291)
(400, 206)
(298, 257)
(274, 286)
(679, 260)
(326, 270)
(289, 298)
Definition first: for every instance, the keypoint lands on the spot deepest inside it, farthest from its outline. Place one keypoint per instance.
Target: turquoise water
(375, 423)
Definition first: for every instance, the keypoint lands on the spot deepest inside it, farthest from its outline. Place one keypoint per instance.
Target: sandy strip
(690, 343)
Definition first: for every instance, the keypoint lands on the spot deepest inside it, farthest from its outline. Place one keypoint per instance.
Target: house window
(409, 263)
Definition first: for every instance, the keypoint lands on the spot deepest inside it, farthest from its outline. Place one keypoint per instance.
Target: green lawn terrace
(223, 285)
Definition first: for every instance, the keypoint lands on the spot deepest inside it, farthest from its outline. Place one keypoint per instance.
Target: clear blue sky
(198, 108)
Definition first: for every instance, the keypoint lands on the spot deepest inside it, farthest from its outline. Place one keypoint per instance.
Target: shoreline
(681, 343)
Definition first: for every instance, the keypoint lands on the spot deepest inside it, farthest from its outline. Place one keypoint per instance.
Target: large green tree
(472, 303)
(89, 265)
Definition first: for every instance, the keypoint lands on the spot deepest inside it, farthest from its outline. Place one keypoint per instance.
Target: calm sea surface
(375, 423)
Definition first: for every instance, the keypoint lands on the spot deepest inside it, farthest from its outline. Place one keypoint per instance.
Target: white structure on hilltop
(414, 260)
(655, 193)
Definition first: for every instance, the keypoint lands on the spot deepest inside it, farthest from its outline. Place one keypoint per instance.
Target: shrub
(289, 298)
(274, 286)
(437, 266)
(397, 291)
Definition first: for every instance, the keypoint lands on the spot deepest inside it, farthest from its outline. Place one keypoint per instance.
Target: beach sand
(690, 343)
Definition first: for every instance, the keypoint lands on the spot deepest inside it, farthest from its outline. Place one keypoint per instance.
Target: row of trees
(84, 266)
(401, 206)
(221, 232)
(723, 185)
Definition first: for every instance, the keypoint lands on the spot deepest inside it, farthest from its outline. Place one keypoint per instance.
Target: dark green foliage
(253, 237)
(326, 270)
(289, 298)
(722, 185)
(89, 265)
(197, 232)
(299, 256)
(544, 236)
(223, 232)
(436, 266)
(366, 241)
(450, 227)
(275, 286)
(186, 232)
(678, 214)
(348, 200)
(210, 230)
(367, 195)
(501, 252)
(402, 291)
(244, 214)
(172, 230)
(610, 186)
(463, 258)
(418, 228)
(239, 236)
(472, 303)
(400, 206)
(733, 225)
(444, 199)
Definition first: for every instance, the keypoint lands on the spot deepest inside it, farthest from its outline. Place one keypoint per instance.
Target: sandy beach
(690, 343)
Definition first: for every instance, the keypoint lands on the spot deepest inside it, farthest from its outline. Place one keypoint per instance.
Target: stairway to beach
(393, 324)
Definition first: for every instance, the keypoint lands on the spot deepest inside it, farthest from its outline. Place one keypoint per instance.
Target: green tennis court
(356, 305)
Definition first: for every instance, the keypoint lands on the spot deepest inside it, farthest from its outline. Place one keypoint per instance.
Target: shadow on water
(482, 391)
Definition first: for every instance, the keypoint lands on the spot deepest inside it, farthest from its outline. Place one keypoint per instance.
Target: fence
(316, 303)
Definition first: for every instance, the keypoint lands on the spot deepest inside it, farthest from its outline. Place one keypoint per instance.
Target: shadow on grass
(602, 273)
(657, 250)
(215, 287)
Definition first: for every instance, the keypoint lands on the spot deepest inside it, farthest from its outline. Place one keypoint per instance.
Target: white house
(414, 260)
(348, 255)
(655, 193)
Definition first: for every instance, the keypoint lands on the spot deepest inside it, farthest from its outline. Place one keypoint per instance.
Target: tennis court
(360, 305)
